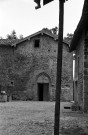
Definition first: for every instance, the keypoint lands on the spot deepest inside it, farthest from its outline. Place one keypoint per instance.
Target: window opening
(37, 43)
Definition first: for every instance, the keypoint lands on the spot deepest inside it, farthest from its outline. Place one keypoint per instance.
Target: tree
(54, 30)
(8, 36)
(12, 35)
(68, 38)
(21, 36)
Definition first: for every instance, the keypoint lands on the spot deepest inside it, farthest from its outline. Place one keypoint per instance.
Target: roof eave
(35, 34)
(83, 23)
(75, 39)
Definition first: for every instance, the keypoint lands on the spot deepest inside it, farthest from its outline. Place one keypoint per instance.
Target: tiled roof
(13, 42)
(43, 31)
(48, 32)
(82, 25)
(7, 42)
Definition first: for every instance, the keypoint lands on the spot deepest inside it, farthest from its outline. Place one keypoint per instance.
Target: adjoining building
(79, 45)
(28, 68)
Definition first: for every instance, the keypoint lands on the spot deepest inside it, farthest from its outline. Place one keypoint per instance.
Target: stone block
(86, 64)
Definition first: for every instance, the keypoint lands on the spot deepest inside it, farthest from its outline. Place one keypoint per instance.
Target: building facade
(79, 45)
(30, 64)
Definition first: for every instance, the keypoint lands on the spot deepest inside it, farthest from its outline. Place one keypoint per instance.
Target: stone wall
(86, 75)
(6, 68)
(41, 60)
(79, 72)
(67, 74)
(24, 65)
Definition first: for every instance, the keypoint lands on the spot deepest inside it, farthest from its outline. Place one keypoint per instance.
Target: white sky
(21, 16)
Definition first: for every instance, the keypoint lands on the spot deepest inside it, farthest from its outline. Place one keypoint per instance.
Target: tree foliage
(68, 38)
(13, 35)
(21, 36)
(52, 31)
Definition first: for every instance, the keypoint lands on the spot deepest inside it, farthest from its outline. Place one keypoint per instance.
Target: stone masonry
(79, 44)
(78, 88)
(28, 68)
(81, 74)
(85, 94)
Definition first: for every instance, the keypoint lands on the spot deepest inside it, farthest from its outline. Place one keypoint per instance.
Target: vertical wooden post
(59, 68)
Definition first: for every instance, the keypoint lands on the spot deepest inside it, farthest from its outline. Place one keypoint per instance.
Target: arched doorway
(43, 86)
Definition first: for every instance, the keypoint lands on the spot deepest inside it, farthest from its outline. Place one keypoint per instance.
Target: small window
(49, 50)
(12, 83)
(36, 43)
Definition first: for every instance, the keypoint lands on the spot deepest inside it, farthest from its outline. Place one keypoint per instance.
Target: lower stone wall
(79, 73)
(80, 89)
(66, 94)
(3, 97)
(85, 93)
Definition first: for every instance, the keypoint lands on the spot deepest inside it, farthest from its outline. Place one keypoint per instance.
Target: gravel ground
(37, 118)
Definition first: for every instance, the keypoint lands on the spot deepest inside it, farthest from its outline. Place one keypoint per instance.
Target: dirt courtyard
(37, 118)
